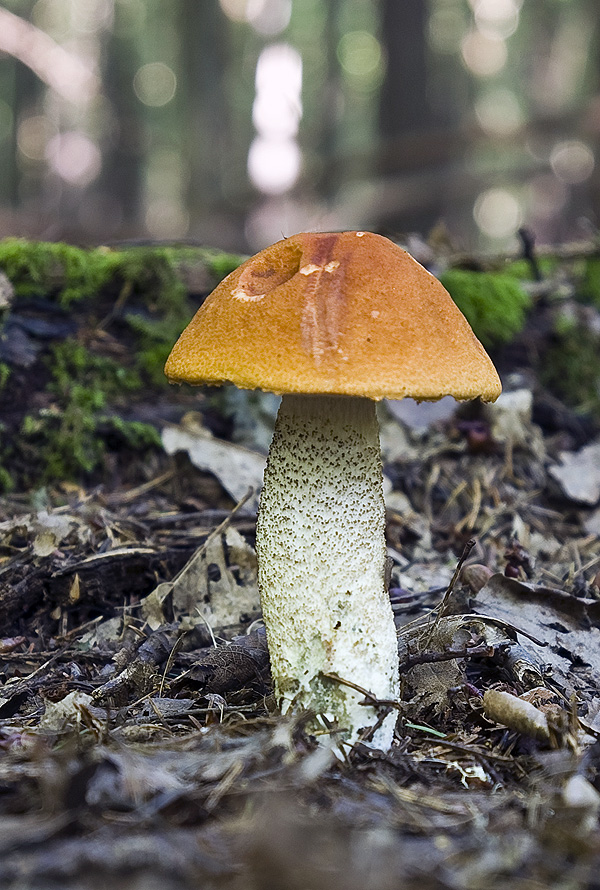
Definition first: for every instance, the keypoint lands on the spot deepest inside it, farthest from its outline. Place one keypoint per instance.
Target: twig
(211, 537)
(226, 522)
(174, 649)
(483, 650)
(441, 609)
(475, 752)
(18, 681)
(370, 698)
(126, 497)
(528, 244)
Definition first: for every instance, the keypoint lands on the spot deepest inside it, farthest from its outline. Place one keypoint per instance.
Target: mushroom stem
(321, 549)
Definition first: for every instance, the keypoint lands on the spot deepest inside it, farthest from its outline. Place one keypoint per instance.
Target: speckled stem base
(321, 550)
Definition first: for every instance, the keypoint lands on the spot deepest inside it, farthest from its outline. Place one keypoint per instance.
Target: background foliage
(233, 122)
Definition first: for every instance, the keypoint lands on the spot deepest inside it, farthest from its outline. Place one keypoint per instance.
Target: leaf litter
(140, 744)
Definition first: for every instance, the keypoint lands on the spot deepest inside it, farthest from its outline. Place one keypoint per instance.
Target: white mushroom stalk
(321, 549)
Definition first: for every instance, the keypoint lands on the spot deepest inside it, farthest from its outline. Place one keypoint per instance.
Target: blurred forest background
(234, 122)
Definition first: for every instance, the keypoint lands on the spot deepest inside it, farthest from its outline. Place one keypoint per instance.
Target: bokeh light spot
(275, 113)
(497, 213)
(274, 159)
(447, 27)
(499, 112)
(572, 161)
(267, 17)
(33, 135)
(359, 53)
(155, 84)
(274, 164)
(277, 106)
(279, 65)
(74, 157)
(497, 17)
(484, 54)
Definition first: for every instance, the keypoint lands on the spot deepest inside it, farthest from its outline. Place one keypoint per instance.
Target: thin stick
(441, 609)
(371, 699)
(214, 534)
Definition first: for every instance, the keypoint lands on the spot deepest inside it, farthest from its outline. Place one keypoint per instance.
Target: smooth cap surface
(348, 313)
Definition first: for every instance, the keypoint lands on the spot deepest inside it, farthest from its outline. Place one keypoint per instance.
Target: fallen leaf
(219, 583)
(69, 711)
(564, 623)
(579, 474)
(236, 468)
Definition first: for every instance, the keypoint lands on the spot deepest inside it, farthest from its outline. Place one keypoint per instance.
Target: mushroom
(333, 322)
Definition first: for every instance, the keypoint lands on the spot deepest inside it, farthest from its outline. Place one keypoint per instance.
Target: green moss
(38, 268)
(69, 433)
(154, 338)
(522, 270)
(72, 365)
(147, 285)
(130, 304)
(137, 435)
(494, 303)
(570, 367)
(589, 289)
(4, 375)
(222, 264)
(66, 438)
(7, 483)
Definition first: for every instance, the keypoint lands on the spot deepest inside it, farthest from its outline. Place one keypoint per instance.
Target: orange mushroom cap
(345, 313)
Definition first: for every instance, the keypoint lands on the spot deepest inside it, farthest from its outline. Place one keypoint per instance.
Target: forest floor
(140, 746)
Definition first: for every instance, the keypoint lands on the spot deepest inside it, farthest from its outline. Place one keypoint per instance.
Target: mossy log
(83, 339)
